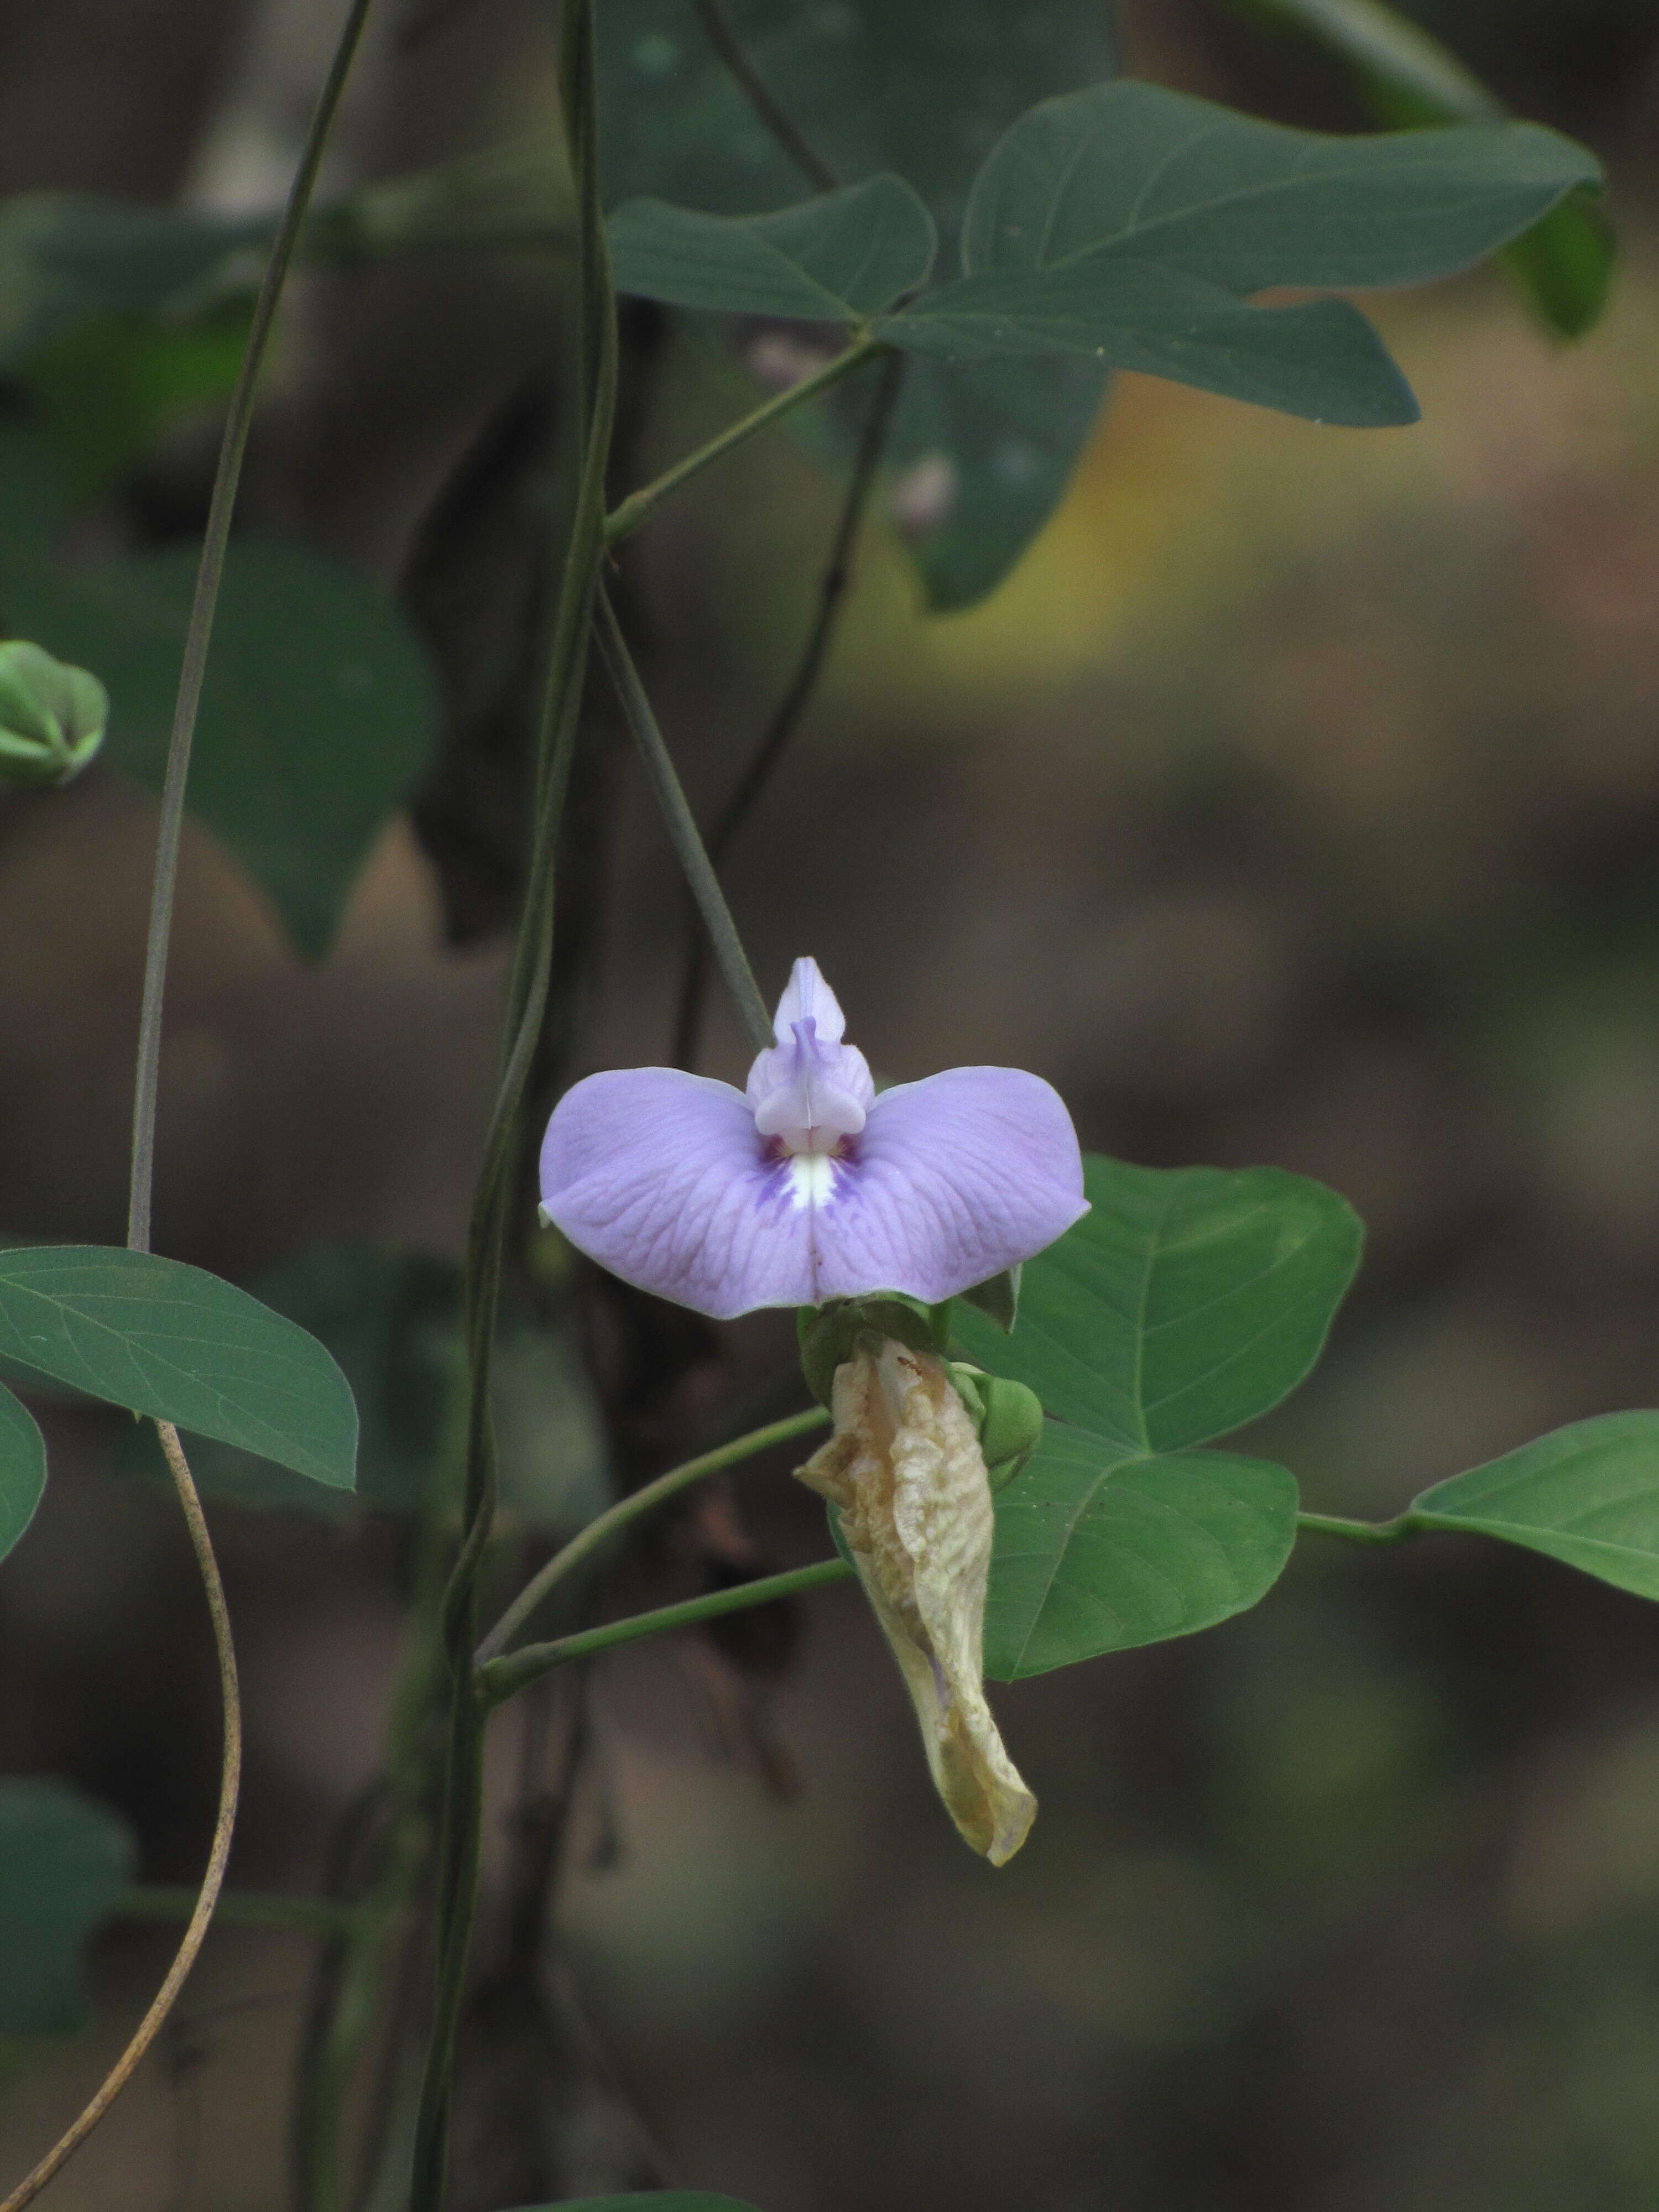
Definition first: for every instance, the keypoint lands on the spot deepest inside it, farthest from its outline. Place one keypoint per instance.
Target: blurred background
(1295, 801)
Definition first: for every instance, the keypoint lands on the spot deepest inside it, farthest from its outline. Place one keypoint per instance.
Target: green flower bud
(1007, 1419)
(53, 717)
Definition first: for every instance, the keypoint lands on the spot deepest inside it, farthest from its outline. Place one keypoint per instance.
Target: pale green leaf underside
(64, 1861)
(837, 259)
(1097, 1552)
(177, 1344)
(1587, 1494)
(1187, 1301)
(23, 1469)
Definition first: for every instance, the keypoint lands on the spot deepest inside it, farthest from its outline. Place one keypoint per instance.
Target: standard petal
(662, 1177)
(951, 1180)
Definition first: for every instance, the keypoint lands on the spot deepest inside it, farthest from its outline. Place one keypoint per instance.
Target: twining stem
(626, 515)
(501, 1677)
(593, 330)
(230, 1779)
(798, 693)
(629, 1509)
(209, 575)
(682, 827)
(1362, 1531)
(777, 120)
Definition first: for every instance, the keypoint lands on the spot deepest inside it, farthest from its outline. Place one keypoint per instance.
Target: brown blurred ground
(1297, 802)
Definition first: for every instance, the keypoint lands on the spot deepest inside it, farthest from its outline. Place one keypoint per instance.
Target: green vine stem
(1361, 1531)
(777, 118)
(502, 1677)
(627, 516)
(682, 828)
(594, 350)
(628, 1510)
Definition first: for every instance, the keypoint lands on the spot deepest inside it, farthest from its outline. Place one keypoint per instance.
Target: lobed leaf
(64, 1861)
(1187, 1301)
(23, 1469)
(1587, 1494)
(176, 1343)
(837, 258)
(1098, 1550)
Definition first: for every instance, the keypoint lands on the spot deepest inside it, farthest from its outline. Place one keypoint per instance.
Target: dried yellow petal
(903, 1468)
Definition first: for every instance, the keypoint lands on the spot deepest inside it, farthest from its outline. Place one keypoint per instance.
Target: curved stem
(650, 1495)
(209, 575)
(798, 694)
(682, 827)
(1360, 1532)
(626, 517)
(518, 1669)
(230, 1777)
(777, 118)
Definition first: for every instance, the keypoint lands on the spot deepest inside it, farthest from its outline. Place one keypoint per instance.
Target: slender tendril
(627, 516)
(594, 334)
(777, 118)
(230, 1779)
(682, 828)
(791, 707)
(628, 1510)
(209, 576)
(502, 1677)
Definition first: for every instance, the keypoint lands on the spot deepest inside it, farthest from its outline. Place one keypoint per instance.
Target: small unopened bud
(1007, 1419)
(53, 717)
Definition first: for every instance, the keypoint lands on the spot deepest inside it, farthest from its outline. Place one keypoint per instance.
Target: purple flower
(808, 1186)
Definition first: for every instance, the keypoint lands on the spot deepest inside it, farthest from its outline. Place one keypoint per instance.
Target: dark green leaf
(1187, 1301)
(104, 392)
(1133, 171)
(1097, 1551)
(23, 1469)
(1587, 1494)
(925, 91)
(179, 1344)
(318, 715)
(837, 258)
(1322, 360)
(649, 2200)
(1564, 262)
(64, 1861)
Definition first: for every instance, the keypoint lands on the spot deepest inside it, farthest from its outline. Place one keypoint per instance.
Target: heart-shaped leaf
(1098, 1550)
(1185, 1302)
(1587, 1494)
(177, 1343)
(64, 1861)
(23, 1469)
(837, 258)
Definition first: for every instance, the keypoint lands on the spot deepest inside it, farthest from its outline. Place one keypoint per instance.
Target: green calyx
(1006, 1416)
(53, 717)
(830, 1335)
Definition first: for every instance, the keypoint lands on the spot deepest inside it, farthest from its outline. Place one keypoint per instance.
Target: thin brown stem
(783, 127)
(791, 709)
(230, 1777)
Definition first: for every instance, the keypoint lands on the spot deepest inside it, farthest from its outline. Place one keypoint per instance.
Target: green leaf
(23, 1469)
(64, 1861)
(1187, 1301)
(104, 391)
(1587, 1494)
(837, 259)
(648, 2200)
(1097, 1551)
(1562, 265)
(998, 1297)
(177, 1343)
(1322, 360)
(925, 91)
(318, 715)
(1125, 171)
